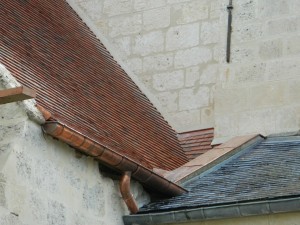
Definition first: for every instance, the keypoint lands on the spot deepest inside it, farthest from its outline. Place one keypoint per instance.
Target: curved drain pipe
(126, 193)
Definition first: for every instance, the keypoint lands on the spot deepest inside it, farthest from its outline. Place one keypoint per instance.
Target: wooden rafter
(16, 94)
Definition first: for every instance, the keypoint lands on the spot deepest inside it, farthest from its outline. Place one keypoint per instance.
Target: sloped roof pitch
(47, 47)
(268, 170)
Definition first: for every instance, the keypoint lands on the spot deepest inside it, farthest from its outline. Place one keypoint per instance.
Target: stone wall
(42, 182)
(170, 45)
(259, 90)
(176, 48)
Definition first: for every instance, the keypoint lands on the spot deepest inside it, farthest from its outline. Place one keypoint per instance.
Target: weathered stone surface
(271, 49)
(169, 100)
(145, 4)
(269, 8)
(135, 64)
(193, 98)
(192, 75)
(93, 9)
(156, 18)
(293, 45)
(145, 44)
(185, 119)
(168, 81)
(125, 25)
(159, 62)
(191, 11)
(243, 53)
(116, 7)
(283, 25)
(210, 32)
(124, 45)
(248, 32)
(210, 74)
(192, 57)
(250, 73)
(184, 36)
(283, 69)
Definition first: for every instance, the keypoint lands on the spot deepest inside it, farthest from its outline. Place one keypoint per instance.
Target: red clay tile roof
(47, 47)
(195, 143)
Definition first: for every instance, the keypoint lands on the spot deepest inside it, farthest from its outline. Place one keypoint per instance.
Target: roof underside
(269, 170)
(47, 47)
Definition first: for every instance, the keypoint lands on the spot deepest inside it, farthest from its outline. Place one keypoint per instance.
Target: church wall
(171, 47)
(42, 181)
(176, 49)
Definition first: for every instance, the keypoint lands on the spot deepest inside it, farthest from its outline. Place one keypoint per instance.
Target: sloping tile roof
(195, 143)
(47, 47)
(269, 170)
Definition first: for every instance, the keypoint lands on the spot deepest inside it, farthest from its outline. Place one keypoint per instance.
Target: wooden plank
(16, 94)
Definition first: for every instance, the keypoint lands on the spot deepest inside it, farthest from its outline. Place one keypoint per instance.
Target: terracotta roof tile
(195, 143)
(47, 47)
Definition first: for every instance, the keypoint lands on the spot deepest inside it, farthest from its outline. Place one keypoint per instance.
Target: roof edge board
(236, 210)
(226, 151)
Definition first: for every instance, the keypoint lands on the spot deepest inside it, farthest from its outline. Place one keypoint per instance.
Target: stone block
(283, 69)
(265, 95)
(244, 53)
(194, 98)
(244, 11)
(56, 213)
(125, 25)
(123, 45)
(254, 72)
(270, 8)
(287, 118)
(135, 64)
(270, 49)
(146, 44)
(168, 81)
(192, 75)
(258, 121)
(226, 125)
(141, 5)
(293, 45)
(248, 32)
(231, 100)
(294, 91)
(184, 36)
(282, 25)
(190, 12)
(210, 74)
(192, 57)
(169, 100)
(92, 8)
(159, 62)
(207, 115)
(185, 120)
(215, 10)
(116, 7)
(210, 32)
(156, 18)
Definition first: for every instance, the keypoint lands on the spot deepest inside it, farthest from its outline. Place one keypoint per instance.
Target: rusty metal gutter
(126, 193)
(112, 159)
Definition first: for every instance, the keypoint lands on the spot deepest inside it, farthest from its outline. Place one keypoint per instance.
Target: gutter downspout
(126, 193)
(109, 157)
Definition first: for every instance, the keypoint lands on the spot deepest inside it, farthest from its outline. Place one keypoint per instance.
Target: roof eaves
(255, 208)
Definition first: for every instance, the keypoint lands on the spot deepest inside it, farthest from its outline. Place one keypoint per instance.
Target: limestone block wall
(259, 90)
(43, 183)
(170, 45)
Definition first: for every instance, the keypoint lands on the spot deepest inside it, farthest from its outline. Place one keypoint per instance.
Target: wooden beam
(16, 94)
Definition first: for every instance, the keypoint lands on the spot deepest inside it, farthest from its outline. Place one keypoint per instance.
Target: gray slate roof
(269, 170)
